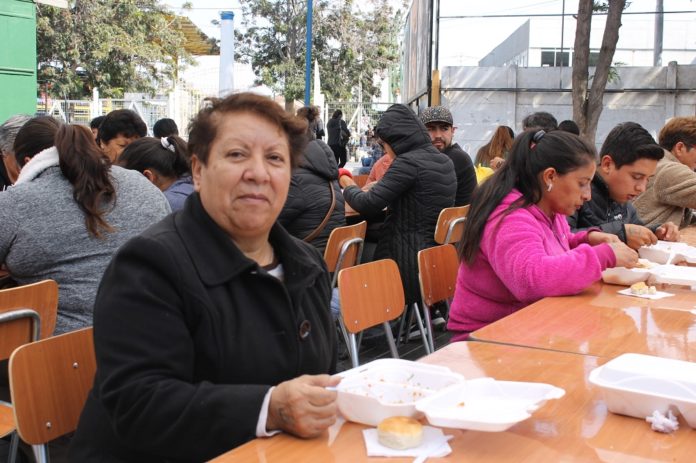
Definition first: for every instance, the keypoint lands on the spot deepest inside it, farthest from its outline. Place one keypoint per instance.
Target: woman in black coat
(213, 326)
(419, 183)
(336, 141)
(310, 197)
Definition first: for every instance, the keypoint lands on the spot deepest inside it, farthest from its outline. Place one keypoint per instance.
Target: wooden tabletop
(575, 428)
(602, 323)
(688, 235)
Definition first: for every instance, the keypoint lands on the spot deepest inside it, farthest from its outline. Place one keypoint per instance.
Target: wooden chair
(344, 249)
(450, 224)
(371, 294)
(49, 382)
(437, 274)
(360, 180)
(27, 314)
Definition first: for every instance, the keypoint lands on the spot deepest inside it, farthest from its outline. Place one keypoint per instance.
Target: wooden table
(688, 235)
(575, 428)
(602, 323)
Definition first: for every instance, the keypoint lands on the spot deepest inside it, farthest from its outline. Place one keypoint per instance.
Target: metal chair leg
(390, 339)
(353, 350)
(40, 453)
(424, 336)
(429, 327)
(14, 445)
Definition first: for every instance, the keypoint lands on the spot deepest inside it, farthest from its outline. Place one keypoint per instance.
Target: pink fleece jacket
(526, 258)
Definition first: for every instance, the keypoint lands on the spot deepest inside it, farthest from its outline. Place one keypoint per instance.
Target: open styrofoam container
(670, 274)
(389, 387)
(637, 385)
(484, 404)
(625, 276)
(662, 250)
(392, 387)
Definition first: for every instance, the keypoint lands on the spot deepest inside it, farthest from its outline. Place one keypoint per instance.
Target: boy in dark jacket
(627, 160)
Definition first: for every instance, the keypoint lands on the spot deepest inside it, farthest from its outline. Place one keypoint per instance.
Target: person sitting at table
(627, 160)
(213, 327)
(164, 162)
(517, 247)
(418, 185)
(315, 205)
(68, 213)
(671, 193)
(119, 129)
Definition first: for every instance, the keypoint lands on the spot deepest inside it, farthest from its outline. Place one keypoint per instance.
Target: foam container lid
(662, 250)
(637, 385)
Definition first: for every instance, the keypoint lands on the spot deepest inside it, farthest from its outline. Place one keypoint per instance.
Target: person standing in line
(338, 137)
(438, 121)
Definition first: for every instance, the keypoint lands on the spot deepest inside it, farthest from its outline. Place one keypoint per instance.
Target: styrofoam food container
(484, 404)
(389, 387)
(662, 250)
(625, 276)
(637, 385)
(674, 274)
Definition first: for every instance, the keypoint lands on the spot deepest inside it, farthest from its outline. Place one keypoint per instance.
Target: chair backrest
(450, 224)
(437, 273)
(360, 180)
(346, 241)
(370, 294)
(49, 382)
(41, 297)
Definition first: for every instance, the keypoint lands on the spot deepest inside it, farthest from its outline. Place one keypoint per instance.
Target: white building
(537, 42)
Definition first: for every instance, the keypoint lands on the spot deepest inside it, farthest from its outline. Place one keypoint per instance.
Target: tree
(124, 46)
(588, 104)
(350, 44)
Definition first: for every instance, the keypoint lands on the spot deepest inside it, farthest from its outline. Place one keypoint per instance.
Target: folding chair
(344, 249)
(49, 382)
(450, 224)
(437, 274)
(27, 313)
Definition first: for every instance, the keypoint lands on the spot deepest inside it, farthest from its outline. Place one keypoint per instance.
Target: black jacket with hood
(309, 197)
(417, 186)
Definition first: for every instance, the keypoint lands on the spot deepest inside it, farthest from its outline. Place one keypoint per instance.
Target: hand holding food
(625, 256)
(638, 235)
(668, 231)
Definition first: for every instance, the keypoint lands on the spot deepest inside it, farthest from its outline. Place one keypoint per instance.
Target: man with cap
(438, 121)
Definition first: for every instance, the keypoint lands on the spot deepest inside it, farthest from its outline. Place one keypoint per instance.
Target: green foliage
(350, 44)
(118, 46)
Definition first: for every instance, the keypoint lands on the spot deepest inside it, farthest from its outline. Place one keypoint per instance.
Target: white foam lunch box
(637, 385)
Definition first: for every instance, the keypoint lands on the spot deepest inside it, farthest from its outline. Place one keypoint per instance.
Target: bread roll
(400, 432)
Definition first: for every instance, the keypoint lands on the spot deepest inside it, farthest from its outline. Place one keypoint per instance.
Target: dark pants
(340, 154)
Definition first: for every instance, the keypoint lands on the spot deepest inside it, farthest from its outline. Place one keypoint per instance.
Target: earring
(549, 186)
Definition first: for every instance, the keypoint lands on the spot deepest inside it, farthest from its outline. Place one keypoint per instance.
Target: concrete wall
(481, 98)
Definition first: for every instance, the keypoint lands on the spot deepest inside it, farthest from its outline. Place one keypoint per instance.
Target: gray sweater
(43, 235)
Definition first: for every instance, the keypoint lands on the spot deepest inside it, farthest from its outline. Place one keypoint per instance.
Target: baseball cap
(436, 114)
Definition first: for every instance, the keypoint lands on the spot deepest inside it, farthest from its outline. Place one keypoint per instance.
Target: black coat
(309, 197)
(465, 172)
(418, 185)
(603, 212)
(333, 127)
(190, 335)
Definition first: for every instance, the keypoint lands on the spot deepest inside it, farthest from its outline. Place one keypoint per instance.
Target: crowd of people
(199, 263)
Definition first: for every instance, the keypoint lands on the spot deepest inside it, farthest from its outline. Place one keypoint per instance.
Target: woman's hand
(303, 406)
(345, 178)
(625, 256)
(496, 163)
(668, 231)
(596, 237)
(638, 235)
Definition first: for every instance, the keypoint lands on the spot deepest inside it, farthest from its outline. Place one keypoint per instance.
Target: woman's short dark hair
(150, 153)
(203, 127)
(121, 122)
(531, 154)
(337, 114)
(308, 112)
(164, 128)
(81, 161)
(629, 142)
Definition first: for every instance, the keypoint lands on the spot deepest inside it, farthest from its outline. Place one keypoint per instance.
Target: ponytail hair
(87, 169)
(531, 154)
(168, 156)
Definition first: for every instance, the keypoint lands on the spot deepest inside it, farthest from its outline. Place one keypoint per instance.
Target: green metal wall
(17, 58)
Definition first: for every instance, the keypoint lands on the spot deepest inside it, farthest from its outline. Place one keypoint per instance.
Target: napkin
(434, 445)
(657, 295)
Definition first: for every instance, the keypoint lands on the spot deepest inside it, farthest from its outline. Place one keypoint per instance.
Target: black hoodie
(418, 185)
(309, 197)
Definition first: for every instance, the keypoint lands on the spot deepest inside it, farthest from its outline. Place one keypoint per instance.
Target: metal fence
(359, 117)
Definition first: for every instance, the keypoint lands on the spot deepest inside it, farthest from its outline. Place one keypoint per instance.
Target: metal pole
(560, 74)
(308, 54)
(226, 53)
(659, 28)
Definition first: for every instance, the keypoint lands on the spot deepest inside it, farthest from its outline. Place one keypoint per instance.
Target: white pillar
(226, 53)
(96, 110)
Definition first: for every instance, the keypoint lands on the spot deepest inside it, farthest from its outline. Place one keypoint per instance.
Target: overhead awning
(58, 3)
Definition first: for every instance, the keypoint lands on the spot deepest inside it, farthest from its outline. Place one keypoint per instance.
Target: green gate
(17, 58)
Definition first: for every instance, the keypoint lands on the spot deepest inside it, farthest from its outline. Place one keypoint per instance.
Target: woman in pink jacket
(517, 247)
